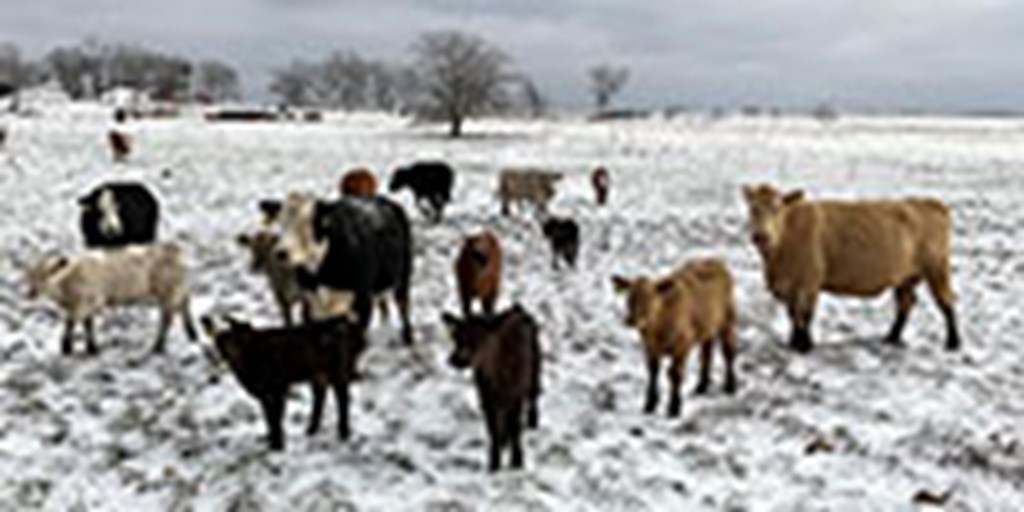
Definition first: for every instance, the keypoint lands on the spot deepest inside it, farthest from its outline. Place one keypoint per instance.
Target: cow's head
(41, 274)
(399, 179)
(261, 246)
(293, 220)
(469, 335)
(766, 207)
(643, 298)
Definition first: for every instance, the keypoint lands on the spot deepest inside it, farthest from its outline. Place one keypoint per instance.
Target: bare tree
(15, 71)
(217, 81)
(605, 82)
(461, 75)
(294, 84)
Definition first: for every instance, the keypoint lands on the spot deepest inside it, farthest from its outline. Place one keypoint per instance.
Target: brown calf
(504, 352)
(268, 361)
(358, 182)
(120, 145)
(692, 307)
(601, 181)
(478, 271)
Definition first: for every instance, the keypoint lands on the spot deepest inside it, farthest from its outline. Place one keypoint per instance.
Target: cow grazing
(267, 362)
(431, 184)
(280, 277)
(532, 186)
(564, 236)
(358, 182)
(478, 271)
(120, 145)
(359, 245)
(855, 248)
(692, 307)
(504, 353)
(117, 214)
(85, 284)
(601, 181)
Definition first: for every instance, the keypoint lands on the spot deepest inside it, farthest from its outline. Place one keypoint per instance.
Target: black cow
(116, 214)
(369, 251)
(431, 184)
(564, 236)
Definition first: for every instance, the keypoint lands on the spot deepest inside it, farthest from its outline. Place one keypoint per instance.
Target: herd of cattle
(335, 260)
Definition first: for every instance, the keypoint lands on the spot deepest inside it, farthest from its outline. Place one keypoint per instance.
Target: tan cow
(692, 307)
(854, 248)
(526, 185)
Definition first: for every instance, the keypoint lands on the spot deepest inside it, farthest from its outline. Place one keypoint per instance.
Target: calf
(431, 184)
(858, 248)
(504, 353)
(85, 284)
(564, 236)
(280, 277)
(267, 362)
(478, 271)
(601, 181)
(116, 214)
(526, 185)
(358, 182)
(120, 145)
(693, 307)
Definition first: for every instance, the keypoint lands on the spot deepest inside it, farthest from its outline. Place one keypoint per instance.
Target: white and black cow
(116, 214)
(431, 184)
(358, 245)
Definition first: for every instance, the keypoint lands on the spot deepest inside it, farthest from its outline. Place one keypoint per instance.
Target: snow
(129, 431)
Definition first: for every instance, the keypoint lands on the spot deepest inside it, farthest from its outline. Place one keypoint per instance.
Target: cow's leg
(942, 291)
(675, 382)
(496, 433)
(285, 309)
(728, 340)
(488, 304)
(801, 314)
(514, 427)
(165, 323)
(653, 367)
(504, 207)
(905, 301)
(186, 321)
(273, 413)
(402, 298)
(319, 394)
(90, 336)
(67, 339)
(532, 411)
(704, 379)
(467, 303)
(341, 400)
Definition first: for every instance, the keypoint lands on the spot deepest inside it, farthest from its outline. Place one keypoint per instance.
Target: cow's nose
(759, 239)
(281, 255)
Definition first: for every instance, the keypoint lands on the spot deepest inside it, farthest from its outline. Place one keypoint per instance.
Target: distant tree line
(91, 68)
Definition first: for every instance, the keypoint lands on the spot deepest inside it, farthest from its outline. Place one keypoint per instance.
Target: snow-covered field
(129, 431)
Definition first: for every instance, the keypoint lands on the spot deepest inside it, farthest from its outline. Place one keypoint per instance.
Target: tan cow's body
(851, 248)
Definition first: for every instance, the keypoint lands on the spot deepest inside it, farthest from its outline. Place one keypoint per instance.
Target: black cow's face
(398, 180)
(468, 335)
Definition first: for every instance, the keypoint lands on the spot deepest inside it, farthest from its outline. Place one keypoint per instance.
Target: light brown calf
(478, 271)
(855, 248)
(692, 307)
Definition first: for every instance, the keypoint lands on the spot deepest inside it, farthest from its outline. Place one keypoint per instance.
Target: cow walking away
(267, 362)
(431, 184)
(601, 181)
(693, 307)
(505, 355)
(358, 182)
(851, 248)
(533, 186)
(116, 214)
(478, 271)
(563, 235)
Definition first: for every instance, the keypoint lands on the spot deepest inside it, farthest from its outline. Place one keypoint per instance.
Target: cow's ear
(244, 240)
(621, 284)
(270, 209)
(208, 327)
(665, 286)
(450, 321)
(58, 263)
(793, 197)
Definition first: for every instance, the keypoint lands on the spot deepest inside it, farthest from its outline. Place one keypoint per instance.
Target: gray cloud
(936, 54)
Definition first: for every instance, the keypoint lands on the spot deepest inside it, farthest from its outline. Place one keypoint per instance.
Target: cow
(431, 184)
(851, 248)
(83, 285)
(116, 214)
(563, 235)
(505, 354)
(533, 186)
(281, 278)
(358, 182)
(478, 271)
(267, 362)
(601, 181)
(120, 145)
(354, 244)
(693, 307)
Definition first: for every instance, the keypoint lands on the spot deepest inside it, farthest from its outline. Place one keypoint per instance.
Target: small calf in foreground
(692, 307)
(564, 236)
(267, 362)
(478, 271)
(85, 284)
(504, 353)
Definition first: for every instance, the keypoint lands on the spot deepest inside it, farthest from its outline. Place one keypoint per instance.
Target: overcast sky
(880, 54)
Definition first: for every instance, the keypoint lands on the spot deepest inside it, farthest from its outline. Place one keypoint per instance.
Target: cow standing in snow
(85, 284)
(431, 184)
(118, 214)
(533, 186)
